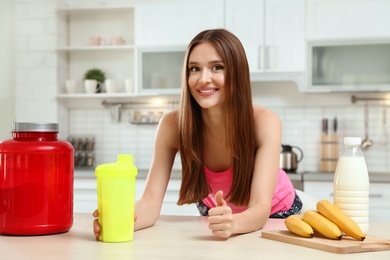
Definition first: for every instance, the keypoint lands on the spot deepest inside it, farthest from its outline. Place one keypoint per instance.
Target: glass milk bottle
(351, 183)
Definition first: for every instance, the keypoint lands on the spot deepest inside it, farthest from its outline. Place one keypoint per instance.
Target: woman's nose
(205, 76)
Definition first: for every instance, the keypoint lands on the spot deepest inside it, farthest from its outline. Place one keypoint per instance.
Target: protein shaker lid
(34, 127)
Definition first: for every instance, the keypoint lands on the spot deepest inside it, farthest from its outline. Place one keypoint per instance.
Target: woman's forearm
(252, 219)
(147, 214)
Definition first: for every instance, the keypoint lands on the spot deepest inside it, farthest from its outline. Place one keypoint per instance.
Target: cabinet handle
(266, 58)
(259, 56)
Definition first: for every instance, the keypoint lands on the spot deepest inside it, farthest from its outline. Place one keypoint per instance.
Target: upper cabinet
(175, 22)
(159, 70)
(285, 35)
(347, 19)
(163, 31)
(145, 43)
(349, 66)
(348, 45)
(246, 20)
(272, 32)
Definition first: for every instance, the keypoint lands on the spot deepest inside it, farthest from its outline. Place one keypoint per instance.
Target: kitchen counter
(328, 176)
(172, 237)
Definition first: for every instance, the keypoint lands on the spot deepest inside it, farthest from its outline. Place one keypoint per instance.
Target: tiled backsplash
(301, 114)
(113, 138)
(301, 127)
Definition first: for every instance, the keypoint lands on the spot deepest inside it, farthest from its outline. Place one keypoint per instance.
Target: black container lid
(34, 127)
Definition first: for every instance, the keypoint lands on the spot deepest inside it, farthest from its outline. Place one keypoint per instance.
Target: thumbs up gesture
(221, 217)
(219, 199)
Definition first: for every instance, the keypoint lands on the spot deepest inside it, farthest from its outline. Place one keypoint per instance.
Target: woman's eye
(217, 67)
(193, 69)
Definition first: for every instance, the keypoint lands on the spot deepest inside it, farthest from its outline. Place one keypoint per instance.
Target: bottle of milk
(351, 183)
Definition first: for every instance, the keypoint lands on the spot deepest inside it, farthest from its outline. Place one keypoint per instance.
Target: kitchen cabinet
(272, 32)
(160, 70)
(101, 37)
(163, 31)
(379, 196)
(246, 20)
(348, 65)
(175, 23)
(347, 19)
(85, 196)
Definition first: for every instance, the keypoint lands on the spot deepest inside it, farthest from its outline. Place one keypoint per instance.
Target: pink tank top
(282, 200)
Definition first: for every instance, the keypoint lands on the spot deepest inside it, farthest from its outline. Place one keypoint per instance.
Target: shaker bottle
(351, 183)
(116, 197)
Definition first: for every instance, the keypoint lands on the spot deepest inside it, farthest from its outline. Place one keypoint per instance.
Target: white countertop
(328, 176)
(173, 237)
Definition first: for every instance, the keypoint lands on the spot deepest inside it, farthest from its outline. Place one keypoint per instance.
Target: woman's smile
(207, 91)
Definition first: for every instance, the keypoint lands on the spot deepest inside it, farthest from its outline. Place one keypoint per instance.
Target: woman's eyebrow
(210, 62)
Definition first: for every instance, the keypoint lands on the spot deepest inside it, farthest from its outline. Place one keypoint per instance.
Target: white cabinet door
(246, 20)
(347, 18)
(319, 189)
(271, 31)
(175, 22)
(379, 201)
(285, 35)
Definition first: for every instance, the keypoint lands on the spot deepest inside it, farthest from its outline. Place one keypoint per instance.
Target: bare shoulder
(268, 126)
(265, 117)
(167, 130)
(170, 118)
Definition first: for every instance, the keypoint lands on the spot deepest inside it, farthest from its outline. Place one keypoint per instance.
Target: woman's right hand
(96, 226)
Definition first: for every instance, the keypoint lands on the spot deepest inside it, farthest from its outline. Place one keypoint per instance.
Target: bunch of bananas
(328, 220)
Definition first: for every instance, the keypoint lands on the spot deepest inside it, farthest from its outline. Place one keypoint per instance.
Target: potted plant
(93, 80)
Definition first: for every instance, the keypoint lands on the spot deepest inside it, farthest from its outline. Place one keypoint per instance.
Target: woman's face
(206, 78)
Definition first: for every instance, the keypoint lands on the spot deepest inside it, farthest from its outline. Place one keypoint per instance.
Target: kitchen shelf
(96, 100)
(98, 9)
(143, 123)
(139, 96)
(97, 48)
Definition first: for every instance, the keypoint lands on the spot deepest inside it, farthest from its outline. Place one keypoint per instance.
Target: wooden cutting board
(344, 246)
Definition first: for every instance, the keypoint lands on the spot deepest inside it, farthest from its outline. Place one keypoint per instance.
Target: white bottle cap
(352, 140)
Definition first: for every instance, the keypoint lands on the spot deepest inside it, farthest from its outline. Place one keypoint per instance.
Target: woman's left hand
(221, 218)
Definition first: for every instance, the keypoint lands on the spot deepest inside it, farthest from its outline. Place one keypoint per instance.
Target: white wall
(7, 95)
(36, 60)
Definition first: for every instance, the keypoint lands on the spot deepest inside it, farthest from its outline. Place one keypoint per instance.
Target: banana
(345, 223)
(322, 225)
(296, 225)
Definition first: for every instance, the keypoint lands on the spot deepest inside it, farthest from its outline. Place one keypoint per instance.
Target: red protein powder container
(36, 181)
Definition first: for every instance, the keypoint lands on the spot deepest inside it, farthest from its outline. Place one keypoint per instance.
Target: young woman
(229, 148)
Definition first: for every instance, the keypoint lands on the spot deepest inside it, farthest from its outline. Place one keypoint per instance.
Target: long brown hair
(240, 137)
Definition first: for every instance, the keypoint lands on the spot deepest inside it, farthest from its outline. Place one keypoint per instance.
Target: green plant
(95, 74)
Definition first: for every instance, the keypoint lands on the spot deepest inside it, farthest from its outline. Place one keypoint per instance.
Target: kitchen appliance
(289, 159)
(36, 181)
